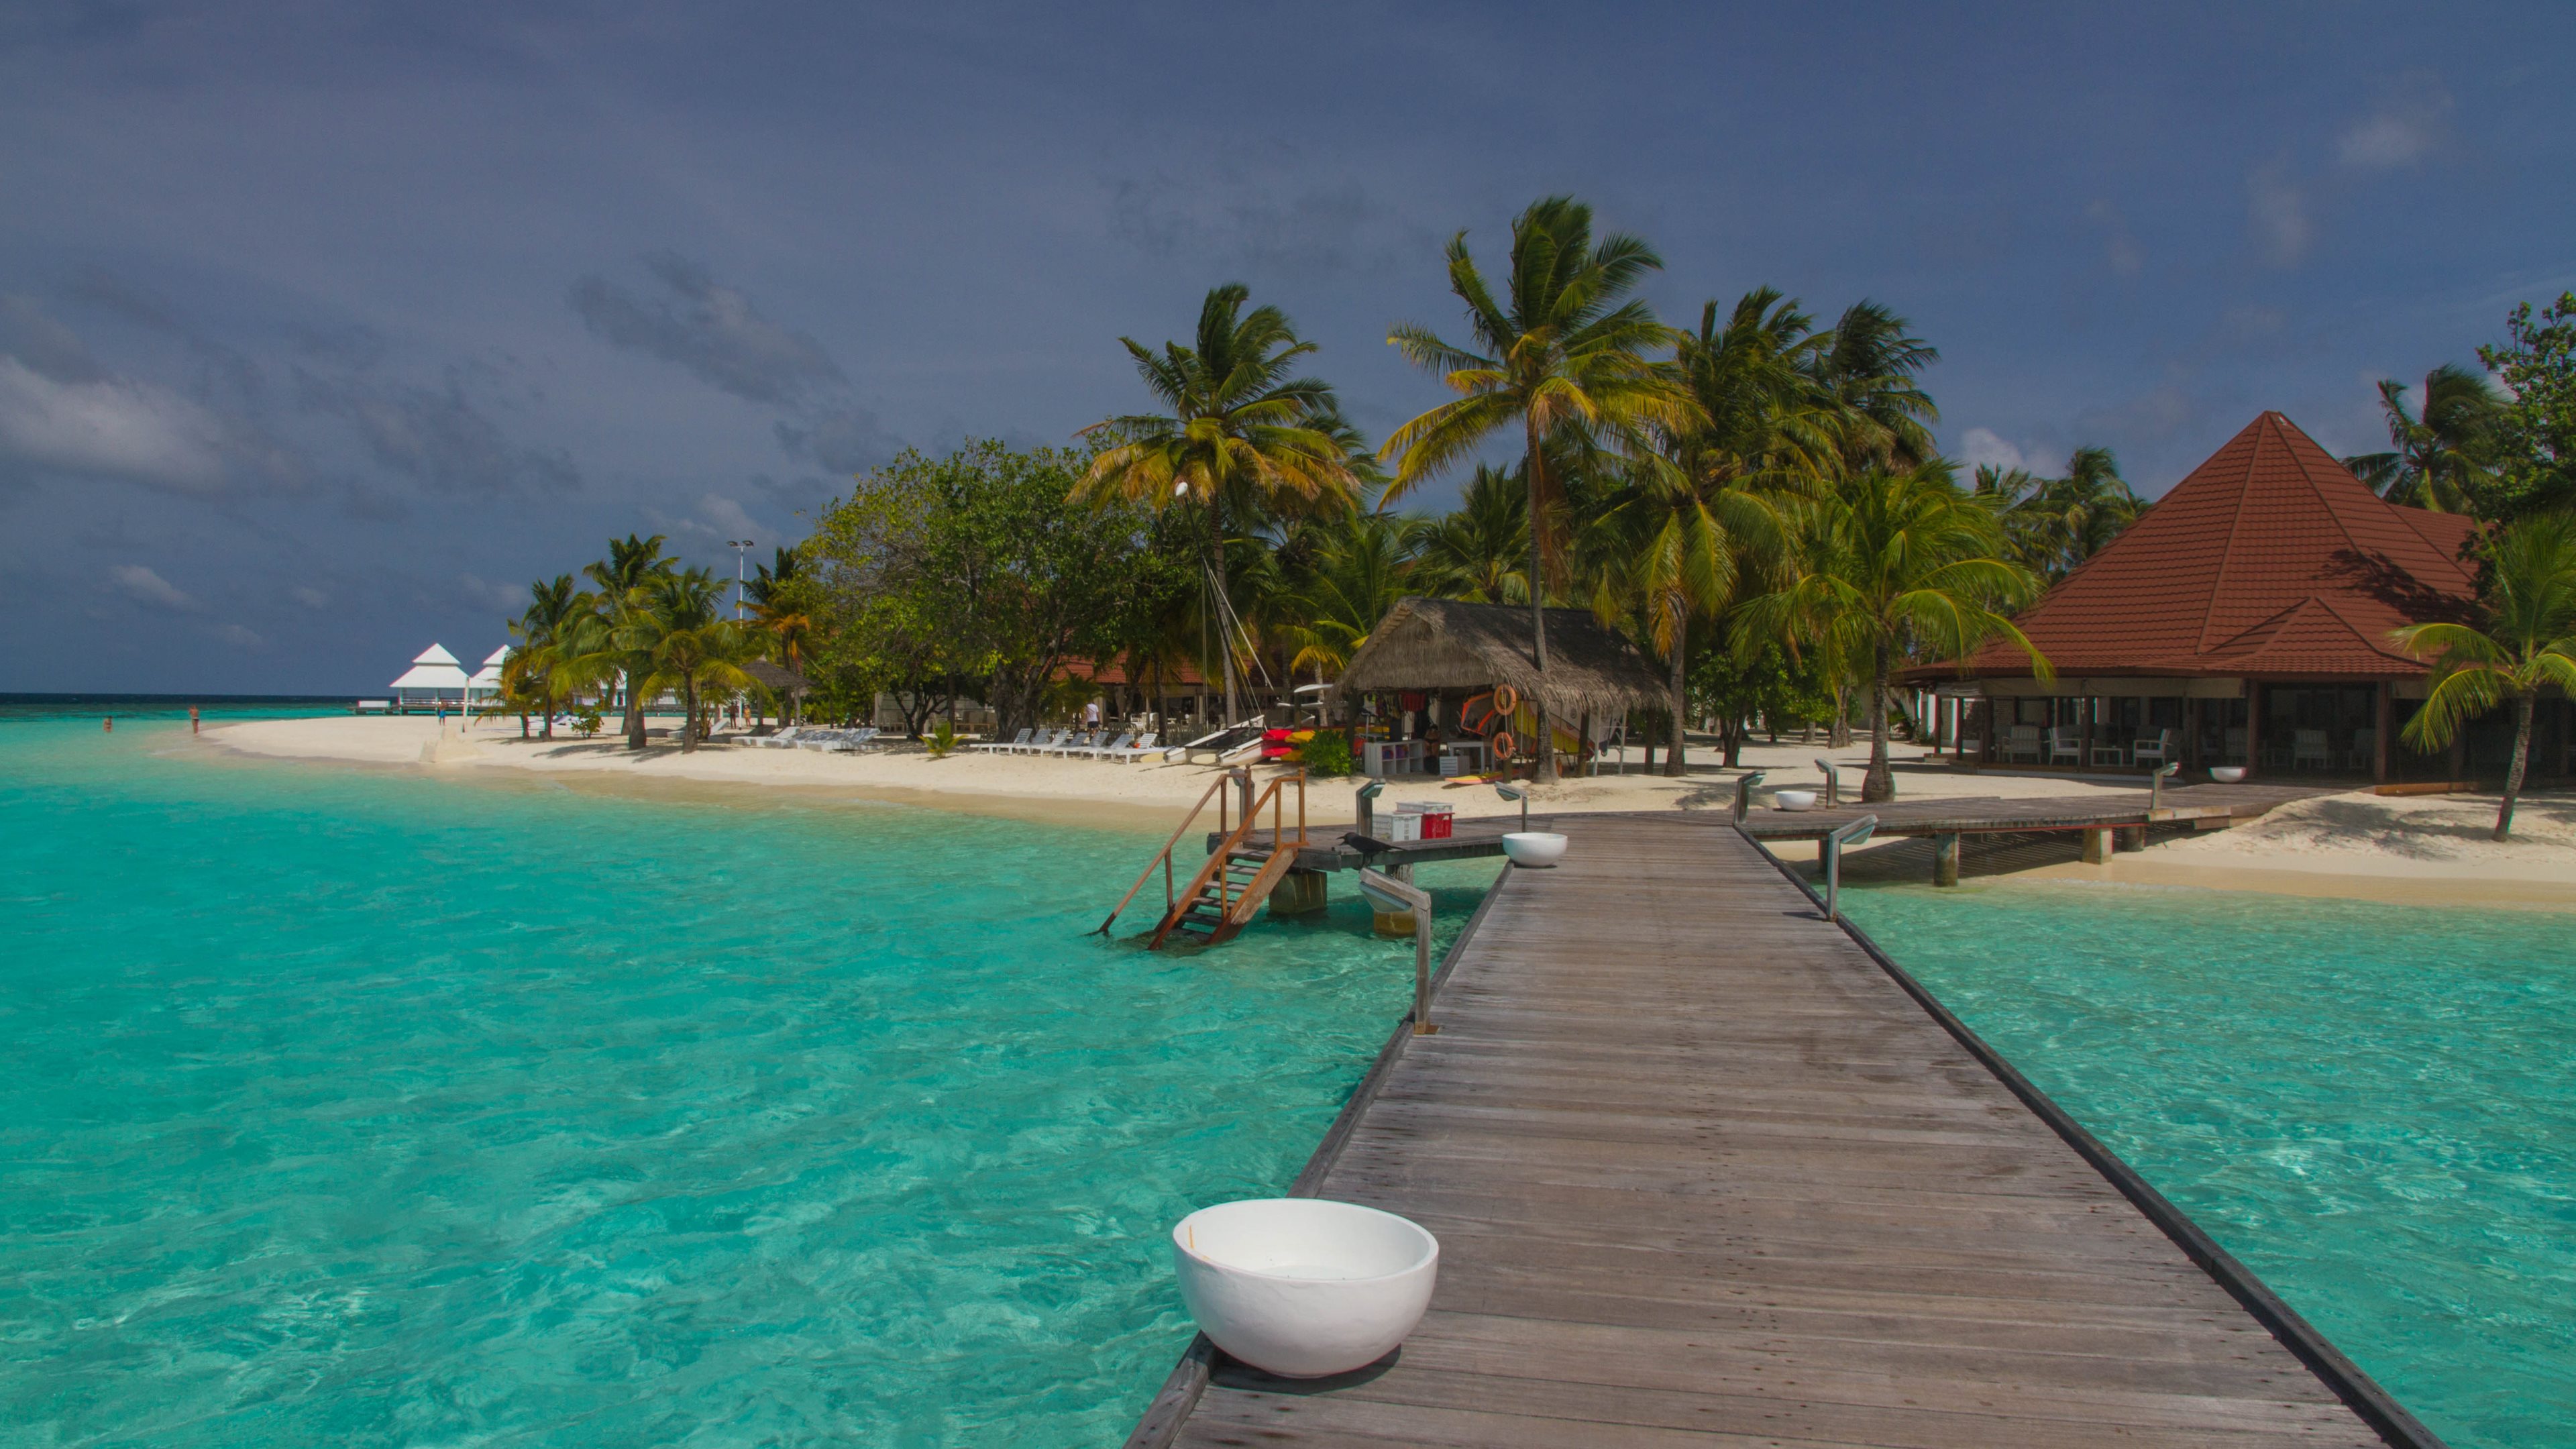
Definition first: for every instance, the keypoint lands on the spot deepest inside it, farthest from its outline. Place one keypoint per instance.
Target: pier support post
(1394, 924)
(2131, 837)
(1299, 893)
(2097, 847)
(1945, 858)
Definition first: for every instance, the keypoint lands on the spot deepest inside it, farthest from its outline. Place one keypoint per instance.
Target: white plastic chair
(2308, 748)
(2020, 740)
(2157, 751)
(2065, 742)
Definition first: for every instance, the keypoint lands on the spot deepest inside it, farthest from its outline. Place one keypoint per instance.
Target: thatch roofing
(1434, 644)
(779, 681)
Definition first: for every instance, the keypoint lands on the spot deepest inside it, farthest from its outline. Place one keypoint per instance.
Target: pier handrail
(1833, 782)
(1744, 793)
(1163, 857)
(1855, 833)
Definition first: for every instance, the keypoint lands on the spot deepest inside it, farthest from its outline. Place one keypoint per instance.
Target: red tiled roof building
(2243, 620)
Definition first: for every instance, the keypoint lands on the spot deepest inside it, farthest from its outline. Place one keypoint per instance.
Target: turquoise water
(2373, 1106)
(370, 1109)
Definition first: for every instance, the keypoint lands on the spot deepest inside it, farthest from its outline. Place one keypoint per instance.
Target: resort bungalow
(484, 689)
(2244, 620)
(1452, 686)
(434, 680)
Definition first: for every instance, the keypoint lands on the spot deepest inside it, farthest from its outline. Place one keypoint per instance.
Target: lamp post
(741, 550)
(1508, 793)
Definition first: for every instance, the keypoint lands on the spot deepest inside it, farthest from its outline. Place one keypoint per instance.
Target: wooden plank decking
(1704, 1173)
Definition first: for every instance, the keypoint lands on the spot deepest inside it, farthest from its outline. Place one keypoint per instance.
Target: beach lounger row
(1091, 745)
(802, 737)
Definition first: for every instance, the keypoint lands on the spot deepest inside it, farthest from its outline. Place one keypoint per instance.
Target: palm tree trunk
(1224, 608)
(1544, 736)
(1879, 784)
(1674, 763)
(688, 714)
(634, 706)
(2521, 756)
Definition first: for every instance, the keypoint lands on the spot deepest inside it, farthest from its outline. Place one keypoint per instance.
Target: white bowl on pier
(1794, 799)
(2227, 774)
(1534, 849)
(1303, 1287)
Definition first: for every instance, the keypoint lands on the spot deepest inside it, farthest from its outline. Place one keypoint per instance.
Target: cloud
(239, 637)
(727, 516)
(309, 597)
(109, 428)
(1256, 216)
(46, 346)
(2402, 130)
(439, 436)
(144, 586)
(2276, 213)
(2119, 247)
(844, 440)
(711, 329)
(1984, 448)
(509, 599)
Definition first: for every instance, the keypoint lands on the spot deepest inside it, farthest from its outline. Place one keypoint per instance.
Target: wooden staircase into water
(1239, 874)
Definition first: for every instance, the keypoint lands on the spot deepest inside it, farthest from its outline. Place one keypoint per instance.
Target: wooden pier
(1706, 1169)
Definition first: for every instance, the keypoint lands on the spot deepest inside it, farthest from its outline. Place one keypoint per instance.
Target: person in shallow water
(192, 719)
(107, 726)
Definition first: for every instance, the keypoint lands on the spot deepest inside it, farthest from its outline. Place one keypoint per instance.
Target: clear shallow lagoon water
(2373, 1106)
(373, 1109)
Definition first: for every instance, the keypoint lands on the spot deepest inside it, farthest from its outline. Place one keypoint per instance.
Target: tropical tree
(1873, 367)
(679, 630)
(1898, 563)
(1357, 571)
(2054, 525)
(1244, 434)
(1480, 552)
(1705, 501)
(2523, 644)
(2536, 432)
(631, 564)
(2441, 454)
(548, 631)
(1561, 355)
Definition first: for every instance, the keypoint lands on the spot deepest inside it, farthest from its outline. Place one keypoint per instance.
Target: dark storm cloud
(439, 436)
(844, 440)
(711, 329)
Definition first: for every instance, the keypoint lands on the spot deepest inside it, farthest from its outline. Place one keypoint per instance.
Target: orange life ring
(1506, 699)
(1502, 745)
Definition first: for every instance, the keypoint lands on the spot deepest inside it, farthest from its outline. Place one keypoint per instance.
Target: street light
(740, 547)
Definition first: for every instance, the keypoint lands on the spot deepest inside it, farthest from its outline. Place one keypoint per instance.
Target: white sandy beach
(2428, 849)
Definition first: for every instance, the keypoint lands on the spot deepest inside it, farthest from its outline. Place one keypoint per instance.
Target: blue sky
(324, 328)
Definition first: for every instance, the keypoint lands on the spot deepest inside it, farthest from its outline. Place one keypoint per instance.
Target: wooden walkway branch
(1705, 1170)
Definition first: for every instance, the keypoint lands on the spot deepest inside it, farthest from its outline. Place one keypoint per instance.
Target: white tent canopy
(434, 674)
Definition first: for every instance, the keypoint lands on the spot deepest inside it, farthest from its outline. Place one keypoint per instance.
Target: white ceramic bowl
(1536, 849)
(1794, 799)
(1303, 1287)
(2227, 774)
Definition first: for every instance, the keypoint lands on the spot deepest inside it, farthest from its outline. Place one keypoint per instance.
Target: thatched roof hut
(1442, 644)
(785, 683)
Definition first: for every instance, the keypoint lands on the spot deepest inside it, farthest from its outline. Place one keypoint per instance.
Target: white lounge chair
(1076, 745)
(1144, 746)
(2157, 751)
(1045, 741)
(991, 746)
(1115, 746)
(2065, 742)
(2308, 748)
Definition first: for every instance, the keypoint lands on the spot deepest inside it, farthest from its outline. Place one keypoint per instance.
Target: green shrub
(585, 720)
(1327, 754)
(942, 740)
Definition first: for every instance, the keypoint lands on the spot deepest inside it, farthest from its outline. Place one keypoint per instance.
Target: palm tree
(632, 563)
(546, 632)
(1480, 553)
(1357, 571)
(1564, 357)
(2527, 645)
(1871, 364)
(2055, 524)
(781, 609)
(1242, 433)
(1897, 562)
(2441, 452)
(679, 629)
(1759, 426)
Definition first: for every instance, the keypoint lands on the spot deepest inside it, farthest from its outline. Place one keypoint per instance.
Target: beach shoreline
(2416, 850)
